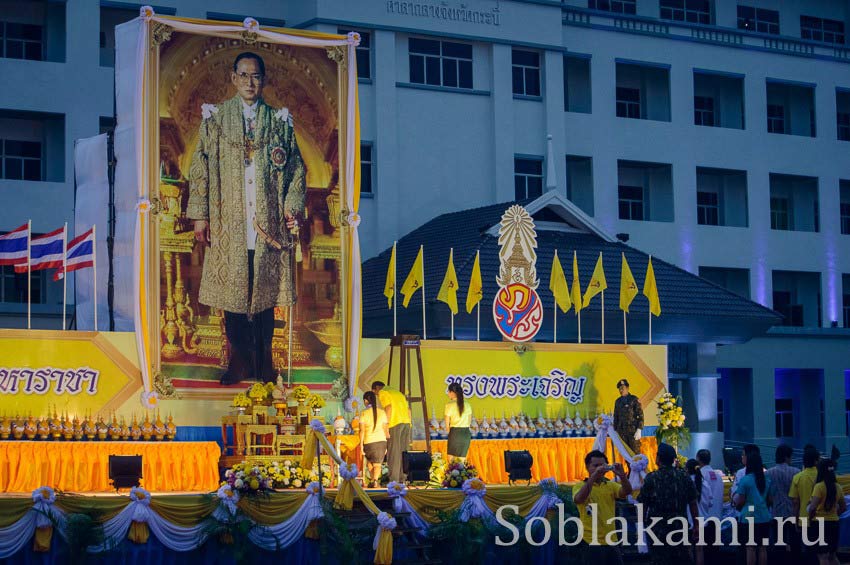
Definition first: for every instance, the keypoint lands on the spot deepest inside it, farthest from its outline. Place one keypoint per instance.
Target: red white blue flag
(80, 254)
(46, 252)
(13, 246)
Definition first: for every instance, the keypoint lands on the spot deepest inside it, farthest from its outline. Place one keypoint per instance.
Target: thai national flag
(46, 252)
(13, 246)
(80, 254)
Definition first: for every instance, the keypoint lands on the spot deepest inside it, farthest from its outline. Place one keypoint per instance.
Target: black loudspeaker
(125, 471)
(416, 465)
(518, 465)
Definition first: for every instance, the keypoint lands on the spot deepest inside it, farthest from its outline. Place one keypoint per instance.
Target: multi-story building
(715, 133)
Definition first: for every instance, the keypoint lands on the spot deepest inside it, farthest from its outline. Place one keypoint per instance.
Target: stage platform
(83, 466)
(558, 458)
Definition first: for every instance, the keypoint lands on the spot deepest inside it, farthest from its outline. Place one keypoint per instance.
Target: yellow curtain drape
(84, 466)
(561, 458)
(184, 510)
(274, 509)
(13, 509)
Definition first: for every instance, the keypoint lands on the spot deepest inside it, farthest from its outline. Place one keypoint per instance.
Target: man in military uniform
(667, 493)
(628, 416)
(246, 191)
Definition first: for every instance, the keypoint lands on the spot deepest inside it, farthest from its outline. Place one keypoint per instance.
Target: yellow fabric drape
(42, 538)
(384, 553)
(139, 532)
(561, 458)
(106, 507)
(345, 496)
(183, 510)
(274, 509)
(309, 454)
(13, 509)
(84, 466)
(312, 531)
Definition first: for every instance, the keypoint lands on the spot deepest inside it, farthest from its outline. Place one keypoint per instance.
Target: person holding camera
(597, 495)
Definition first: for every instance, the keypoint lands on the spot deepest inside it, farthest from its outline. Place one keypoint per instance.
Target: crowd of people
(779, 510)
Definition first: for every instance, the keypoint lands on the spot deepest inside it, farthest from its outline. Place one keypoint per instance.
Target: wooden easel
(406, 344)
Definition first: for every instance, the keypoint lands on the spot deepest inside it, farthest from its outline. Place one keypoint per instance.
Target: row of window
(642, 91)
(750, 18)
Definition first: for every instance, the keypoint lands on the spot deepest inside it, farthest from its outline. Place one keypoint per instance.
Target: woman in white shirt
(374, 432)
(458, 416)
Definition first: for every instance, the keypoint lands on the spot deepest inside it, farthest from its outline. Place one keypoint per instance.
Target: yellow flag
(597, 282)
(389, 286)
(576, 290)
(415, 279)
(628, 286)
(558, 285)
(448, 290)
(476, 286)
(650, 289)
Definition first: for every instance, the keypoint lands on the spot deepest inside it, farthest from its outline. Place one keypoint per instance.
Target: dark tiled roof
(693, 309)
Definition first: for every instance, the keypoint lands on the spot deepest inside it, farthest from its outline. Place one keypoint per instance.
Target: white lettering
(529, 533)
(555, 385)
(513, 529)
(42, 379)
(562, 523)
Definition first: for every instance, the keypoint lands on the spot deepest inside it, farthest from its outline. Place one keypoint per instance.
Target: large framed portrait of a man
(249, 242)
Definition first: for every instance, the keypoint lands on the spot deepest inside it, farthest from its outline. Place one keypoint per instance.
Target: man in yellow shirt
(804, 482)
(599, 495)
(394, 404)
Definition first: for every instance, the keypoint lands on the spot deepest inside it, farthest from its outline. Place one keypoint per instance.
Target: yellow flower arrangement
(315, 401)
(241, 400)
(300, 393)
(258, 392)
(671, 422)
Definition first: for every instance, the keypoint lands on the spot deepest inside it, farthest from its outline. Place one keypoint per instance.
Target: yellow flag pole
(424, 328)
(650, 326)
(478, 325)
(625, 333)
(579, 325)
(603, 316)
(395, 290)
(555, 319)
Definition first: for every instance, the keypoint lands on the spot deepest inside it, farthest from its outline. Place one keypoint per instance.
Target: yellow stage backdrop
(536, 378)
(73, 372)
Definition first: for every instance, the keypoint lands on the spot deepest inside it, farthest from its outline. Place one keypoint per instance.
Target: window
(708, 209)
(577, 97)
(580, 182)
(784, 417)
(703, 111)
(758, 19)
(525, 67)
(616, 6)
(733, 280)
(846, 300)
(842, 113)
(720, 415)
(779, 208)
(847, 409)
(797, 296)
(843, 119)
(364, 53)
(21, 160)
(367, 165)
(440, 63)
(528, 177)
(21, 41)
(775, 118)
(628, 102)
(643, 90)
(693, 11)
(821, 29)
(844, 207)
(630, 202)
(13, 286)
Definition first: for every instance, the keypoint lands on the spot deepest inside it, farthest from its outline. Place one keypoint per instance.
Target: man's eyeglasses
(249, 77)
